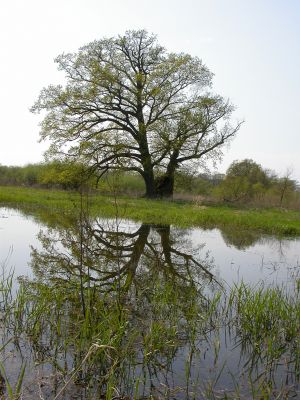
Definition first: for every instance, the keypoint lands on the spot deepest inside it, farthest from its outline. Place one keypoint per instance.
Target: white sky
(252, 47)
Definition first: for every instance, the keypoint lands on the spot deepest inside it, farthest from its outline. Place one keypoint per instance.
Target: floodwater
(236, 255)
(148, 280)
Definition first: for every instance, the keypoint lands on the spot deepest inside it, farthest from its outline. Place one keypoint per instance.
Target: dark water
(160, 277)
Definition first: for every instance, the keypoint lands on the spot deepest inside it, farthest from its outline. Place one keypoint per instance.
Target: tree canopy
(248, 169)
(129, 104)
(244, 180)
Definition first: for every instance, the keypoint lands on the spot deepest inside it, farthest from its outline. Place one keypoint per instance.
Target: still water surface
(236, 255)
(139, 262)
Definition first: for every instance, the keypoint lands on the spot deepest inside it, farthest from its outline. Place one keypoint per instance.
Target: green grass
(182, 214)
(113, 338)
(267, 318)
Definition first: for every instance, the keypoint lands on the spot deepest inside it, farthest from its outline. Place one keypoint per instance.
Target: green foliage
(129, 105)
(54, 174)
(244, 180)
(249, 169)
(10, 175)
(285, 188)
(65, 175)
(247, 182)
(193, 184)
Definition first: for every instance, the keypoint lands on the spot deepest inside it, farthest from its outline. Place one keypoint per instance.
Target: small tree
(249, 169)
(129, 104)
(285, 186)
(244, 179)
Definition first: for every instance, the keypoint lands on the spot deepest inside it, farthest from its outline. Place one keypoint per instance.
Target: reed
(115, 344)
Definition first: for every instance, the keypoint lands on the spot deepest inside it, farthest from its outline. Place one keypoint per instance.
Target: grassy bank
(272, 221)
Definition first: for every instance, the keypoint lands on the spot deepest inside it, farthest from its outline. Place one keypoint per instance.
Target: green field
(182, 214)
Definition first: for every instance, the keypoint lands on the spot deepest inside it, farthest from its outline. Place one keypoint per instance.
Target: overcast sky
(252, 47)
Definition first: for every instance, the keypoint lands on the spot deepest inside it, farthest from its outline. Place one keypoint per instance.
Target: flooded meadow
(95, 308)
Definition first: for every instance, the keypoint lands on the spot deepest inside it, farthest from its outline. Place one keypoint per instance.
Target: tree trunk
(148, 174)
(150, 185)
(159, 187)
(164, 186)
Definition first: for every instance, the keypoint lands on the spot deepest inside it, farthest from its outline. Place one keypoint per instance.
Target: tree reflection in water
(104, 255)
(138, 294)
(118, 310)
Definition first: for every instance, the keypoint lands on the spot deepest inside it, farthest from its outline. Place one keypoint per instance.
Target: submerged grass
(267, 320)
(13, 393)
(183, 214)
(115, 347)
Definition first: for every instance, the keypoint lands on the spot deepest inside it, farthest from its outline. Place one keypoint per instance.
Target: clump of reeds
(265, 324)
(268, 318)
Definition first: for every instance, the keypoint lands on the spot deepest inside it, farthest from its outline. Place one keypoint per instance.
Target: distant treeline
(53, 174)
(245, 182)
(71, 176)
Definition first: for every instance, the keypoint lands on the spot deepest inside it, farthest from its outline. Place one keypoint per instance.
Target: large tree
(128, 104)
